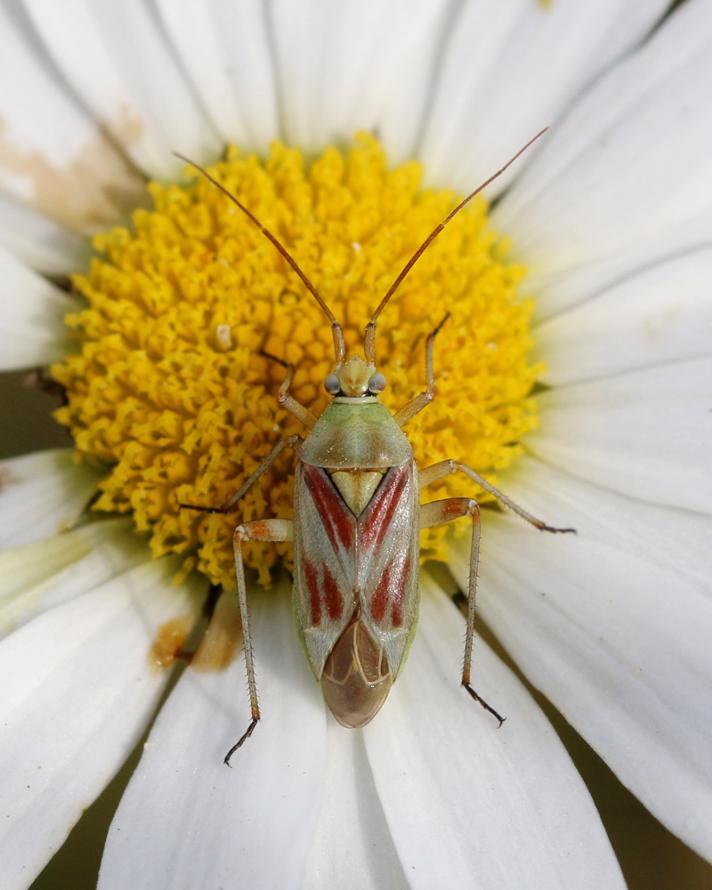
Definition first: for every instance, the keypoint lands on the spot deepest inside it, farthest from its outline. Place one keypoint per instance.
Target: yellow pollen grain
(171, 393)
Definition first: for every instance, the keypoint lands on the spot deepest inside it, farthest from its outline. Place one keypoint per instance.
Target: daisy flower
(574, 373)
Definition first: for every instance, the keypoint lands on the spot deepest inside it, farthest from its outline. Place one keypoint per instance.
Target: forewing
(388, 561)
(325, 557)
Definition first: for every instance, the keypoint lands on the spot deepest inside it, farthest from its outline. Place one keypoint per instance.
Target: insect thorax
(356, 434)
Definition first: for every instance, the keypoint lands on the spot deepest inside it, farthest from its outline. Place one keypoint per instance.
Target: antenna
(339, 345)
(370, 336)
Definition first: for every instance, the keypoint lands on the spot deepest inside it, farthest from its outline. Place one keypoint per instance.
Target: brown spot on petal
(6, 478)
(94, 188)
(169, 641)
(129, 127)
(222, 639)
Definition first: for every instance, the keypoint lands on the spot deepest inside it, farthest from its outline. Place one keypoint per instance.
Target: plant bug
(357, 516)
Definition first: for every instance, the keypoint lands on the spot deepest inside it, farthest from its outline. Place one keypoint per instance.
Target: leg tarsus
(416, 405)
(241, 741)
(202, 508)
(437, 513)
(260, 530)
(483, 703)
(557, 531)
(287, 401)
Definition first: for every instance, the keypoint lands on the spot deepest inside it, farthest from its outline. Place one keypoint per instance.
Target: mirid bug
(357, 516)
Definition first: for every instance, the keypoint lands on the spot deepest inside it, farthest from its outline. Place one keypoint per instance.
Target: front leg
(417, 404)
(438, 513)
(286, 400)
(436, 472)
(261, 530)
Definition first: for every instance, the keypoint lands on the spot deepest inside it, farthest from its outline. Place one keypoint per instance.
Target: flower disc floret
(169, 390)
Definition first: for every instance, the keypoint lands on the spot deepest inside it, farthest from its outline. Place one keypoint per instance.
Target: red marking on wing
(313, 587)
(332, 510)
(376, 526)
(332, 595)
(379, 600)
(390, 588)
(398, 592)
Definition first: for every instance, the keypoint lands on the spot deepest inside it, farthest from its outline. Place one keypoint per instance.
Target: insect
(357, 516)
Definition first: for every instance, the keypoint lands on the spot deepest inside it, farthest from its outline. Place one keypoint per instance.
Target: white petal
(224, 47)
(613, 626)
(508, 71)
(118, 61)
(187, 820)
(368, 861)
(53, 155)
(40, 576)
(665, 536)
(646, 433)
(39, 242)
(32, 329)
(40, 494)
(78, 689)
(662, 314)
(353, 65)
(502, 808)
(620, 183)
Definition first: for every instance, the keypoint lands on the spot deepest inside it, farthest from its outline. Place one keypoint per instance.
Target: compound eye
(377, 383)
(331, 384)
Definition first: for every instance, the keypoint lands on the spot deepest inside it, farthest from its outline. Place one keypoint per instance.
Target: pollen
(170, 389)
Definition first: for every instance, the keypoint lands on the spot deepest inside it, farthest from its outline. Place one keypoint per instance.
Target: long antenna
(339, 344)
(370, 347)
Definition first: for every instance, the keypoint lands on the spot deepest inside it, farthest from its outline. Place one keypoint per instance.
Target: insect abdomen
(356, 679)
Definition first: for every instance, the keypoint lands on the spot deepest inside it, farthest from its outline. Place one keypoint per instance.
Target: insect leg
(407, 412)
(261, 530)
(289, 442)
(438, 513)
(288, 401)
(438, 471)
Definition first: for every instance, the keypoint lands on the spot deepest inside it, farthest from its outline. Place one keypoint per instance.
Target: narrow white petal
(509, 69)
(53, 155)
(662, 314)
(620, 182)
(368, 861)
(40, 576)
(470, 805)
(40, 494)
(188, 820)
(116, 58)
(669, 537)
(645, 433)
(39, 242)
(613, 626)
(32, 329)
(353, 65)
(78, 688)
(224, 47)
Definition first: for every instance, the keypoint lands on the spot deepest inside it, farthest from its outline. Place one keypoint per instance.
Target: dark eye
(377, 383)
(331, 384)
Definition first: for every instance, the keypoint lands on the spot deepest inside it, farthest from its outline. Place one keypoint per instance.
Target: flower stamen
(171, 387)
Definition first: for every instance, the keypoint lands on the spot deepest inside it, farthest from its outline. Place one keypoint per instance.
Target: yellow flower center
(169, 389)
